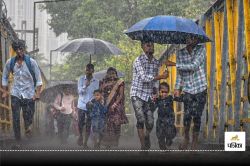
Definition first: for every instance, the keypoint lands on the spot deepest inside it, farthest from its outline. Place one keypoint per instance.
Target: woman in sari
(113, 91)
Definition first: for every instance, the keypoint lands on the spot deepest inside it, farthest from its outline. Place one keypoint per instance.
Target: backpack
(28, 63)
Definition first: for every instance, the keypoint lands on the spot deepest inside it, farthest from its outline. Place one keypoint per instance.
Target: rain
(97, 76)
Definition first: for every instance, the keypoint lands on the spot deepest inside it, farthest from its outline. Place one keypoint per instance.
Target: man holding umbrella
(191, 77)
(145, 75)
(191, 80)
(87, 84)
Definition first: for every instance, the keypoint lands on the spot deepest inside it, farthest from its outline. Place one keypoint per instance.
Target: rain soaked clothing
(143, 77)
(28, 107)
(64, 117)
(22, 92)
(98, 115)
(23, 83)
(165, 124)
(193, 108)
(191, 75)
(191, 78)
(113, 92)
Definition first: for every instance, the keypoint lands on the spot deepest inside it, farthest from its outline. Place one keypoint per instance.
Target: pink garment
(67, 103)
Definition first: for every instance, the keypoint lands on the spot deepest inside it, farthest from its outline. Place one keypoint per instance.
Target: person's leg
(16, 108)
(200, 101)
(81, 119)
(138, 108)
(67, 123)
(60, 126)
(149, 123)
(101, 130)
(51, 124)
(28, 107)
(188, 107)
(94, 126)
(88, 129)
(117, 134)
(162, 143)
(160, 134)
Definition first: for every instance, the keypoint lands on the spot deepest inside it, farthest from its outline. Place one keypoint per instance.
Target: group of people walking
(100, 108)
(190, 88)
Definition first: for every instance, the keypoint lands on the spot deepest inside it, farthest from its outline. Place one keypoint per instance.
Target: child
(165, 124)
(97, 114)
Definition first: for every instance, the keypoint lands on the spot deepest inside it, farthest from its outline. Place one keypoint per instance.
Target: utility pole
(1, 7)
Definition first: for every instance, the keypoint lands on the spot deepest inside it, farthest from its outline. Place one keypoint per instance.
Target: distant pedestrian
(87, 84)
(114, 96)
(64, 106)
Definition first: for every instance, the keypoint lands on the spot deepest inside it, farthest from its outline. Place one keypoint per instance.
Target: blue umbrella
(166, 30)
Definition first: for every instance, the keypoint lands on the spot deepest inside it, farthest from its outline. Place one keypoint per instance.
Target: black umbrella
(101, 74)
(49, 94)
(90, 46)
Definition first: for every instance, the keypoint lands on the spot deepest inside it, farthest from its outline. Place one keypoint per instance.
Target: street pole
(34, 24)
(50, 63)
(1, 7)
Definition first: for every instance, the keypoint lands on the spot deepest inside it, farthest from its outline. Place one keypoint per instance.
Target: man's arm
(81, 86)
(178, 82)
(145, 77)
(57, 101)
(193, 66)
(38, 76)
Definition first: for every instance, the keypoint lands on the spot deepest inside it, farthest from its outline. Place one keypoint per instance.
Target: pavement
(42, 150)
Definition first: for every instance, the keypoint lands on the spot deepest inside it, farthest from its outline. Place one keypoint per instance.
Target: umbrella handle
(90, 59)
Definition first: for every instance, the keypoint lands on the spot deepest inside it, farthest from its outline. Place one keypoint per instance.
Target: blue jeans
(28, 108)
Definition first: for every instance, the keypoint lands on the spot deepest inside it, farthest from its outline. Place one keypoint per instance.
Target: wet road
(71, 153)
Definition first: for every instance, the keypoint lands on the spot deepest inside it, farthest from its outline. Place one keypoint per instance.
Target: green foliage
(107, 20)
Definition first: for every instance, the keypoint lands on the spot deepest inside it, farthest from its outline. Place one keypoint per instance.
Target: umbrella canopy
(166, 30)
(90, 46)
(101, 74)
(49, 94)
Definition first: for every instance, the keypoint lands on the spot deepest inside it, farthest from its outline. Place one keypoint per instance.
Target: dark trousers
(193, 108)
(63, 125)
(50, 128)
(84, 119)
(28, 108)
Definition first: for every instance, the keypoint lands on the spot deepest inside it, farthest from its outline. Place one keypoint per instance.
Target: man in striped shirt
(191, 80)
(145, 75)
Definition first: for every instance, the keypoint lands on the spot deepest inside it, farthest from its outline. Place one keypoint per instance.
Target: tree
(107, 20)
